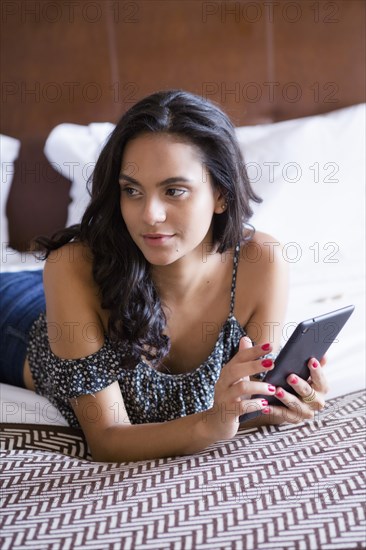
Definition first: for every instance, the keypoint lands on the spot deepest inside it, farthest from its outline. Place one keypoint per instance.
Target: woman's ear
(220, 203)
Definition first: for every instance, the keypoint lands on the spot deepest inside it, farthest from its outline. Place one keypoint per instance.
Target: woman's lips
(156, 239)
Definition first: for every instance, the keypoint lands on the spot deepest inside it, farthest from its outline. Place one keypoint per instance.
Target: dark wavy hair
(119, 267)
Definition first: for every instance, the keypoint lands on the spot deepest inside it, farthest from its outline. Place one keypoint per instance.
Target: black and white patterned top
(149, 395)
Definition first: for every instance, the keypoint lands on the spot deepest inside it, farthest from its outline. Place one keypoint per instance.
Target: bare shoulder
(72, 302)
(70, 268)
(74, 258)
(262, 281)
(262, 254)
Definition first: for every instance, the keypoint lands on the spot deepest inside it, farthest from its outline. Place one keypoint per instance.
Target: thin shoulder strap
(233, 283)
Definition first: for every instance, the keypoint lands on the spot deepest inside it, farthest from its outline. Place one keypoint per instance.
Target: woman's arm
(112, 438)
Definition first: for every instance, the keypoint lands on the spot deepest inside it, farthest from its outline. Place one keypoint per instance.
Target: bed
(296, 487)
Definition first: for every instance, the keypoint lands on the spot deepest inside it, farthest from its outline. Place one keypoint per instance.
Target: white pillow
(316, 182)
(73, 149)
(22, 406)
(317, 210)
(9, 151)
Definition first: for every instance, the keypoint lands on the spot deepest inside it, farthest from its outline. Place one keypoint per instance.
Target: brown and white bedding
(296, 487)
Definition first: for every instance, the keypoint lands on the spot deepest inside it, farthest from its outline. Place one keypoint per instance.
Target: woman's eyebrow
(175, 179)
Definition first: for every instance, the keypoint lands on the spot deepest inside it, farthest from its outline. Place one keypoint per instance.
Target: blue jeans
(21, 302)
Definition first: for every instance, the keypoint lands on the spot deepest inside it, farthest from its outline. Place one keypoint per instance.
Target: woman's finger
(236, 369)
(323, 360)
(318, 378)
(295, 403)
(251, 405)
(293, 415)
(275, 415)
(247, 387)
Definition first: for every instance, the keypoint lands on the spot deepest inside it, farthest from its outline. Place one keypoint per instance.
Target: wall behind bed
(89, 61)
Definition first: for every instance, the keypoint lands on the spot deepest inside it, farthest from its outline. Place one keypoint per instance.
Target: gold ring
(309, 398)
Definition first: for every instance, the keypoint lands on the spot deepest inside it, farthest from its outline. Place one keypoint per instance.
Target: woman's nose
(154, 212)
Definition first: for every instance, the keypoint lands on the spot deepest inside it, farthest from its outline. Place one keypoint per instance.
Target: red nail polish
(314, 365)
(280, 393)
(266, 347)
(266, 363)
(293, 380)
(271, 388)
(264, 402)
(266, 410)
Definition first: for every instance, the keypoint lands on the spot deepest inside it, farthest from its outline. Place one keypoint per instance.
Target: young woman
(140, 329)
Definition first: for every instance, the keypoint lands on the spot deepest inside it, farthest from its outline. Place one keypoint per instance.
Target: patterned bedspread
(300, 487)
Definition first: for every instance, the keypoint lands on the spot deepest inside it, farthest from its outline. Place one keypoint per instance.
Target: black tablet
(311, 338)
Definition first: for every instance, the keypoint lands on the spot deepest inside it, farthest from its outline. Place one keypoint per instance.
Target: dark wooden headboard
(89, 61)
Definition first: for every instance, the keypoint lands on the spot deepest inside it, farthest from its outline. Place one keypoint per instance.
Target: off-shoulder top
(149, 395)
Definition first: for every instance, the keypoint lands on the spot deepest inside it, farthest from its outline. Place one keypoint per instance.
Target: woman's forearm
(185, 435)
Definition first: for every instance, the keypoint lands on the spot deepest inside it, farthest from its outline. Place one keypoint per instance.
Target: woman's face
(167, 198)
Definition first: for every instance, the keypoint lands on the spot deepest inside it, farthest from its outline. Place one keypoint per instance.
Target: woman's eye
(172, 192)
(176, 192)
(130, 191)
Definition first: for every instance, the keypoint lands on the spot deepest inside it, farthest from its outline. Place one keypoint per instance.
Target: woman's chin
(161, 258)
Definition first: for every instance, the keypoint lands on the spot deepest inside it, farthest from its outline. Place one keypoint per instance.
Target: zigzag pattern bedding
(295, 487)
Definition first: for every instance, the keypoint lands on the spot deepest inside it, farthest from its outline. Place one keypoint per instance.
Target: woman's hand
(234, 388)
(297, 408)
